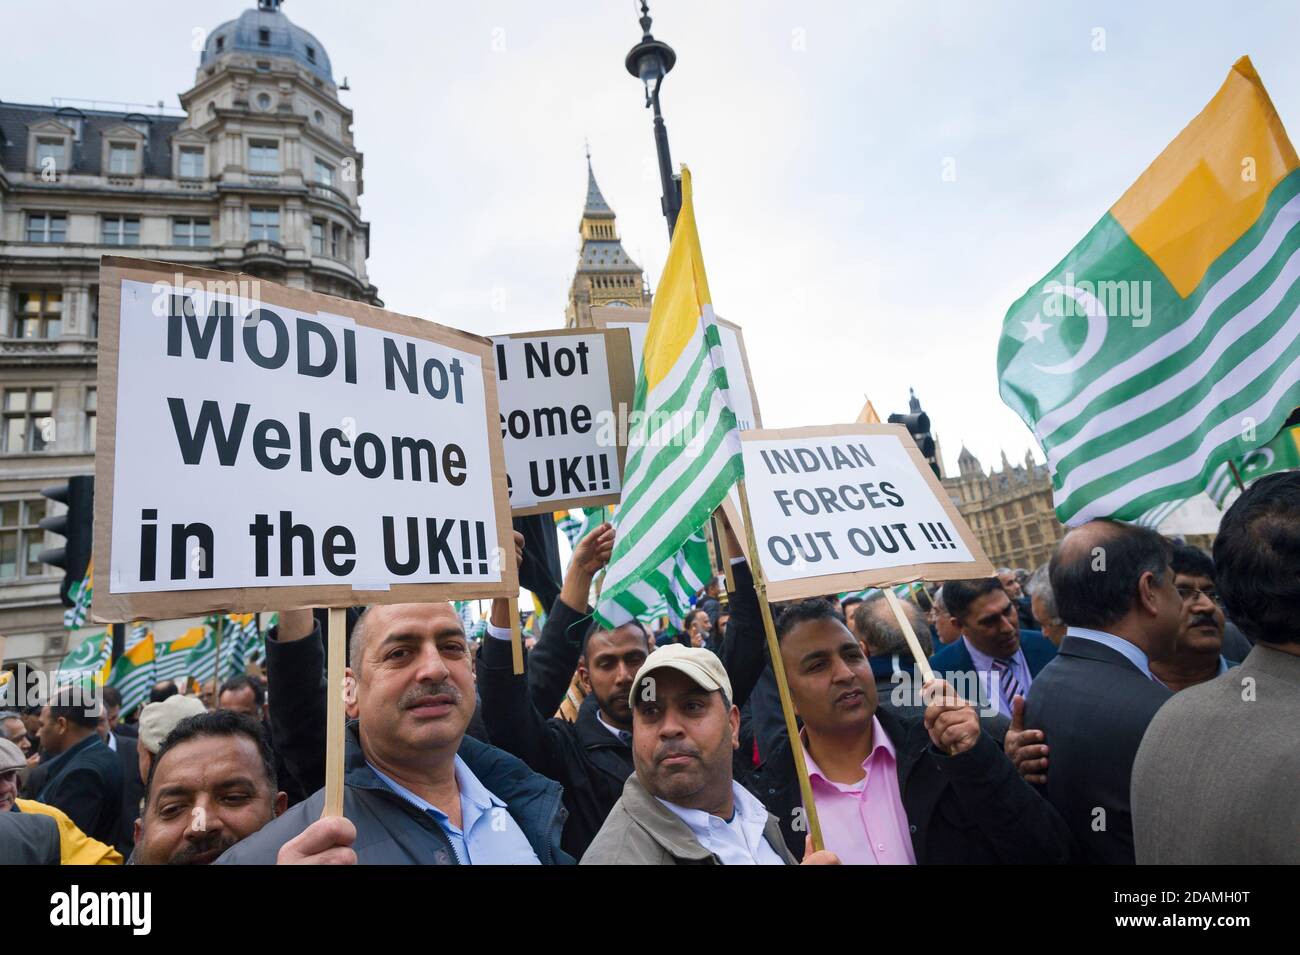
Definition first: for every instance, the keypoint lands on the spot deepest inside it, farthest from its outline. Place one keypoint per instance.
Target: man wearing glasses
(1198, 655)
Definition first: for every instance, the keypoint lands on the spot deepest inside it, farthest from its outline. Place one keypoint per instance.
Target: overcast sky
(817, 133)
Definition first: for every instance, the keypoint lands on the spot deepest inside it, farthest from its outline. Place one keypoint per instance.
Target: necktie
(1008, 684)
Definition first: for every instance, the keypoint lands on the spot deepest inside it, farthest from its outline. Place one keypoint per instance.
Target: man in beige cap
(159, 719)
(682, 806)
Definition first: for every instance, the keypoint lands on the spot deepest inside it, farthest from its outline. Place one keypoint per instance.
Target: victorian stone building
(257, 173)
(1010, 511)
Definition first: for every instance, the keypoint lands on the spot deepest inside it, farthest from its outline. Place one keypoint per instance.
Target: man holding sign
(889, 789)
(836, 508)
(418, 790)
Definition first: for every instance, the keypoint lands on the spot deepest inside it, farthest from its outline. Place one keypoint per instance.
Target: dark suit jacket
(85, 781)
(1093, 705)
(955, 658)
(132, 791)
(28, 839)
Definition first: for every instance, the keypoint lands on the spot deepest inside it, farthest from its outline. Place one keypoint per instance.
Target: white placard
(559, 423)
(278, 447)
(835, 504)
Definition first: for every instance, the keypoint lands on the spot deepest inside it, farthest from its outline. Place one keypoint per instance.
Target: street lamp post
(650, 60)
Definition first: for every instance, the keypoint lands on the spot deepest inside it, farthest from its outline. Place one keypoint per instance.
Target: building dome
(268, 32)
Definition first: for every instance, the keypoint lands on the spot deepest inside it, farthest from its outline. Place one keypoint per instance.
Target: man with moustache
(590, 757)
(1198, 656)
(682, 806)
(212, 783)
(892, 789)
(417, 790)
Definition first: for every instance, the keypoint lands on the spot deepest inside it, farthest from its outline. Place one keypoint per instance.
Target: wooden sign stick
(516, 636)
(783, 688)
(922, 664)
(335, 715)
(219, 625)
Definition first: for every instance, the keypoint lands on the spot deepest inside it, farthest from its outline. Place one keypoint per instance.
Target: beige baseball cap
(701, 665)
(159, 719)
(11, 757)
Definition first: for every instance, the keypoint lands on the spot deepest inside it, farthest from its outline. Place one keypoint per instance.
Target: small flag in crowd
(1280, 454)
(133, 673)
(88, 662)
(1170, 334)
(683, 448)
(80, 594)
(171, 660)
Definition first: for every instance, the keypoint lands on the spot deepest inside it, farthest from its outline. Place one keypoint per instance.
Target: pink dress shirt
(864, 822)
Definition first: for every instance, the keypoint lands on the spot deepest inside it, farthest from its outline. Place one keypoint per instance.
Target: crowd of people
(1135, 700)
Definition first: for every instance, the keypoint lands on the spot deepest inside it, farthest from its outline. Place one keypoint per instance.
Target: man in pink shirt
(889, 788)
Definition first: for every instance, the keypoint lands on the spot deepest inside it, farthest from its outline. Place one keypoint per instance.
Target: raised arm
(296, 689)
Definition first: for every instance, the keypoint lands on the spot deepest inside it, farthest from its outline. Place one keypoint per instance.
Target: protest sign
(843, 507)
(740, 383)
(564, 397)
(263, 447)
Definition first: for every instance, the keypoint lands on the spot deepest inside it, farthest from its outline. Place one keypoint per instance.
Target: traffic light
(918, 425)
(76, 525)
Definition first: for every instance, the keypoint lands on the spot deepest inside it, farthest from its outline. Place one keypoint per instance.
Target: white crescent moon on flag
(1096, 329)
(1265, 453)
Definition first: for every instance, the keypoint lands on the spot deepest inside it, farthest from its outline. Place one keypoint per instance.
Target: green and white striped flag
(1280, 454)
(1171, 332)
(671, 597)
(87, 662)
(172, 660)
(133, 673)
(80, 593)
(683, 448)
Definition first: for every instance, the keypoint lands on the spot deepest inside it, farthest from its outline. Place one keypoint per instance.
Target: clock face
(618, 304)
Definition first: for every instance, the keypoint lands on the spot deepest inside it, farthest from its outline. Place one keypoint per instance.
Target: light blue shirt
(990, 682)
(488, 835)
(1131, 652)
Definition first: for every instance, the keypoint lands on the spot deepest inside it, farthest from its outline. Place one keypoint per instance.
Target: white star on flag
(1035, 328)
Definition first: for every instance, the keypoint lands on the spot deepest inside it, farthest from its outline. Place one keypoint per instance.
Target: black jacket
(589, 761)
(391, 831)
(1094, 706)
(85, 781)
(132, 791)
(972, 808)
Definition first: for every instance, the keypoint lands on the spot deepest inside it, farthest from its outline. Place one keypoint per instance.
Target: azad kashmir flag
(683, 451)
(1280, 454)
(172, 660)
(88, 663)
(133, 674)
(80, 594)
(1172, 330)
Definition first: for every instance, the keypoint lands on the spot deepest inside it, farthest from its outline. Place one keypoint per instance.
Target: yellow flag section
(1211, 183)
(171, 660)
(1138, 358)
(683, 448)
